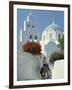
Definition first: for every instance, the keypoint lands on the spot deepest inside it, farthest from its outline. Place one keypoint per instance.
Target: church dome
(53, 26)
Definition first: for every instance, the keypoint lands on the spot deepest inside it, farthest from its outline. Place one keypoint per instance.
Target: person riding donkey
(45, 70)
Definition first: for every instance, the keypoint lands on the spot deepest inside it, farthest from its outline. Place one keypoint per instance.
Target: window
(50, 36)
(43, 37)
(59, 36)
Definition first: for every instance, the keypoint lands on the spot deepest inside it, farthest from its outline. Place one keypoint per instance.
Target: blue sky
(42, 18)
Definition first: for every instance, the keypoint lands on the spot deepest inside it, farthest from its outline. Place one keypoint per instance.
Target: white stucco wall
(28, 66)
(58, 70)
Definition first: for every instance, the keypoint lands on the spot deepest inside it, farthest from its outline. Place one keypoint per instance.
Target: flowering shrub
(32, 47)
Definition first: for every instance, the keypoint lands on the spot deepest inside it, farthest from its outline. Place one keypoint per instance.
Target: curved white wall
(28, 66)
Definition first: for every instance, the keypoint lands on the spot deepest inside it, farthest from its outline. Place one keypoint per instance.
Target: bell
(36, 37)
(30, 36)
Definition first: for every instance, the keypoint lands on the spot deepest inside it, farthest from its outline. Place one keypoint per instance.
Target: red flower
(32, 47)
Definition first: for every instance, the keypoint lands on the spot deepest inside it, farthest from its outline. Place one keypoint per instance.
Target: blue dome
(53, 26)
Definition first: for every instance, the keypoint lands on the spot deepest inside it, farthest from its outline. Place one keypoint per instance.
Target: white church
(52, 33)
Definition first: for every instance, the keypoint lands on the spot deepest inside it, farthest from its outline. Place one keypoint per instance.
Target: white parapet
(58, 70)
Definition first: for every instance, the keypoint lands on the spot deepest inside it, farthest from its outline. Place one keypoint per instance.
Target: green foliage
(56, 56)
(61, 43)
